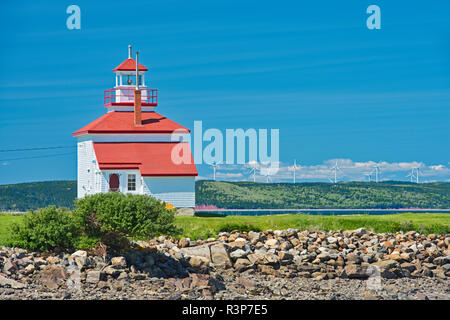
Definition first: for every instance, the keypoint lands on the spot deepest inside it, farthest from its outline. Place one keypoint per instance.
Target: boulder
(199, 251)
(80, 258)
(219, 255)
(53, 276)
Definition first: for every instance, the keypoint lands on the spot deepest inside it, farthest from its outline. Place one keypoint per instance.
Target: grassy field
(199, 228)
(5, 222)
(202, 228)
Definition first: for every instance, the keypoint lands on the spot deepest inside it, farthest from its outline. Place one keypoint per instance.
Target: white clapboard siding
(178, 191)
(87, 168)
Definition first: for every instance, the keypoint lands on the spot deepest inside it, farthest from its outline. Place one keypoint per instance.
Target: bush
(112, 216)
(109, 218)
(48, 229)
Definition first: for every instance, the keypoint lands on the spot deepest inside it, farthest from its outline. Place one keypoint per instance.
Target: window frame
(130, 175)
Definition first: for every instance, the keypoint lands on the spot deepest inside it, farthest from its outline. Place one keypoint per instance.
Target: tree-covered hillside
(248, 195)
(389, 194)
(34, 195)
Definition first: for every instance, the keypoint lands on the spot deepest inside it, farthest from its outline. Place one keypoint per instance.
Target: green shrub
(47, 229)
(111, 216)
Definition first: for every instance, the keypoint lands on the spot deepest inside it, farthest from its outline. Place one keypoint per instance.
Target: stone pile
(182, 266)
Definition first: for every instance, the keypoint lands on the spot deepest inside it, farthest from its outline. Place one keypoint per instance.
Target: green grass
(202, 228)
(6, 220)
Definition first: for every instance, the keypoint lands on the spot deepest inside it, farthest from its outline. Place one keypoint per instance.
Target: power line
(47, 156)
(33, 149)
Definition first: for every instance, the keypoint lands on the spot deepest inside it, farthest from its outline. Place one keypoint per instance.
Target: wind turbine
(253, 170)
(295, 168)
(214, 165)
(411, 175)
(417, 175)
(335, 168)
(369, 176)
(377, 171)
(268, 176)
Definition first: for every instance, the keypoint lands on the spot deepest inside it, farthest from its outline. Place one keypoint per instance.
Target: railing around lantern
(125, 96)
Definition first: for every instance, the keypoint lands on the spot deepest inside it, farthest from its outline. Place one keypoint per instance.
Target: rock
(242, 264)
(254, 236)
(198, 261)
(286, 245)
(271, 243)
(199, 251)
(266, 269)
(360, 231)
(183, 242)
(6, 282)
(119, 262)
(387, 268)
(9, 266)
(53, 260)
(29, 269)
(440, 261)
(80, 258)
(324, 256)
(110, 270)
(219, 255)
(332, 240)
(239, 253)
(355, 271)
(408, 266)
(53, 276)
(93, 276)
(246, 283)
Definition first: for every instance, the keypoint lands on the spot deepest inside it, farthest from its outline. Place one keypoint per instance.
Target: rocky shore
(280, 264)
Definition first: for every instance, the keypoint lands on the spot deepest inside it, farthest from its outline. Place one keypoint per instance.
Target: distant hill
(34, 195)
(388, 194)
(249, 195)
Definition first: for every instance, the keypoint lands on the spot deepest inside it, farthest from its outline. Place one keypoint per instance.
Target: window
(131, 80)
(131, 182)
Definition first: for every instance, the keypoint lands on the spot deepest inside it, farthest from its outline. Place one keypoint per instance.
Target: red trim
(124, 132)
(144, 104)
(148, 96)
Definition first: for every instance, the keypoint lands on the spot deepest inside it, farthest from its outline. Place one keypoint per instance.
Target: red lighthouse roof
(129, 65)
(123, 122)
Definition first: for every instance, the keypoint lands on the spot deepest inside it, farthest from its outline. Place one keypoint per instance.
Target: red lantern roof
(129, 65)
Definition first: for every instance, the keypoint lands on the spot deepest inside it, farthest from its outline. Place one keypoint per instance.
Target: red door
(113, 182)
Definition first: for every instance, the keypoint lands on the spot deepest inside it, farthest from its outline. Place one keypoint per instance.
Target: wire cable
(47, 156)
(33, 149)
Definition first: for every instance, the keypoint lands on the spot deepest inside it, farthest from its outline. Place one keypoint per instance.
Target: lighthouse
(130, 148)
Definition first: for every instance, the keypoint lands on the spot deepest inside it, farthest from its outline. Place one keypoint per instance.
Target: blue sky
(335, 89)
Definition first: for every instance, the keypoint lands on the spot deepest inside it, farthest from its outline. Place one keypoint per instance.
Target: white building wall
(178, 191)
(88, 177)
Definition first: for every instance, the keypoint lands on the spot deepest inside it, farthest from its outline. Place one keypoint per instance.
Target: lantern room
(130, 75)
